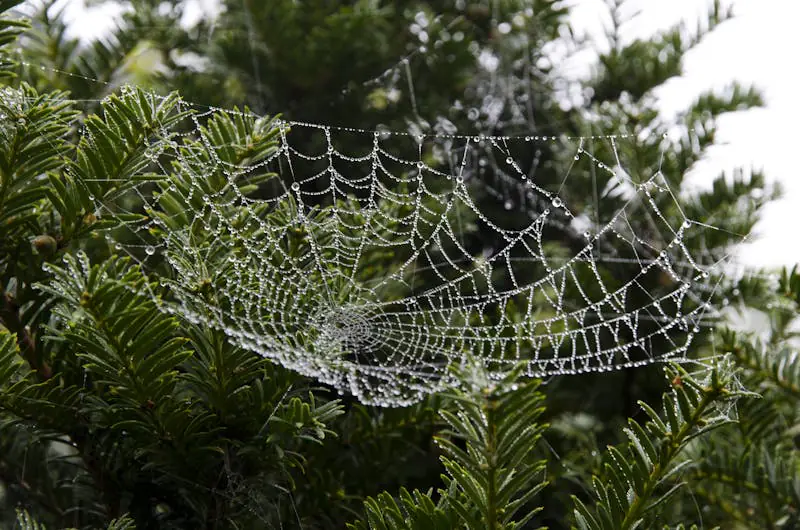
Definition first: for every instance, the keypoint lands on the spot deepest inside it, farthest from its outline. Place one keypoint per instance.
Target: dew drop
(508, 205)
(149, 250)
(557, 202)
(295, 186)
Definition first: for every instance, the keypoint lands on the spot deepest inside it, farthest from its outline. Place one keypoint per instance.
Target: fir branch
(491, 475)
(634, 481)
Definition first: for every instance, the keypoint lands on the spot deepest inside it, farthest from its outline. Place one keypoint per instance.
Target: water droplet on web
(508, 205)
(149, 250)
(383, 132)
(295, 186)
(509, 160)
(557, 202)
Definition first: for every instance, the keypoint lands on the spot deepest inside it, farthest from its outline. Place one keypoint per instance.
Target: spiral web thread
(377, 273)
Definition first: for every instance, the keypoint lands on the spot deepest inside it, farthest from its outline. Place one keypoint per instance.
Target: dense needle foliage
(113, 415)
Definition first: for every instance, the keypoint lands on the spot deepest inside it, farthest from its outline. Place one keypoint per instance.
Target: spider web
(376, 273)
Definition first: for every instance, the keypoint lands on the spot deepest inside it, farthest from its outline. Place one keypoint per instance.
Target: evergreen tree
(110, 409)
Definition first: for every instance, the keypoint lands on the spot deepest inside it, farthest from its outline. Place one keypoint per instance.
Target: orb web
(376, 261)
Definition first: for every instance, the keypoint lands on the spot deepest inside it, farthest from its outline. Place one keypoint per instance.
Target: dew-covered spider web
(378, 261)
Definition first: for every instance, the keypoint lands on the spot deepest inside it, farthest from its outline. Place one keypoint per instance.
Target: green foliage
(638, 479)
(639, 67)
(124, 409)
(33, 142)
(500, 432)
(8, 358)
(128, 349)
(10, 29)
(746, 475)
(492, 474)
(26, 522)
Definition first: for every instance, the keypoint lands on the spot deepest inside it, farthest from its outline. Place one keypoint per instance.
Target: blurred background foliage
(216, 437)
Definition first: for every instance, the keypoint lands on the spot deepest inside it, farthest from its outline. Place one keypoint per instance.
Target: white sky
(758, 46)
